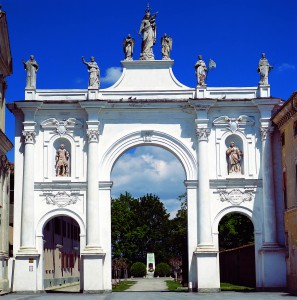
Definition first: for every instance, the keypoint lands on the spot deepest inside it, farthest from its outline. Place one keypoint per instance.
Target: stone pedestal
(93, 275)
(272, 262)
(30, 94)
(93, 94)
(200, 92)
(25, 273)
(264, 91)
(4, 282)
(208, 270)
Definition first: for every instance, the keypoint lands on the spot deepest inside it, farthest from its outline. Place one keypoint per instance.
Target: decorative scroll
(61, 199)
(29, 136)
(236, 196)
(202, 134)
(93, 135)
(147, 136)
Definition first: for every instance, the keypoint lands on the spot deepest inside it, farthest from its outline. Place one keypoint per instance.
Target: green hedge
(162, 270)
(138, 269)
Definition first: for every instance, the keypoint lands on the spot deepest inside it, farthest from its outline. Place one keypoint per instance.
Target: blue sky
(232, 33)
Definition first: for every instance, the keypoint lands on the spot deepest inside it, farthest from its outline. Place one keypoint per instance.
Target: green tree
(139, 226)
(235, 230)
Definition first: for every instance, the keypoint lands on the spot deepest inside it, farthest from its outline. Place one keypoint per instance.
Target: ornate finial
(147, 8)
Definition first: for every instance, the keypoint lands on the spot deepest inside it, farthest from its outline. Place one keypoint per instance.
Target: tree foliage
(139, 226)
(235, 230)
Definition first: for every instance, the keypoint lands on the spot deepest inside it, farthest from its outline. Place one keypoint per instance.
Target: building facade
(5, 146)
(285, 120)
(69, 141)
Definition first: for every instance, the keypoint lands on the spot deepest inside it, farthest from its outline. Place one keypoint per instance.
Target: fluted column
(27, 227)
(268, 190)
(204, 223)
(93, 230)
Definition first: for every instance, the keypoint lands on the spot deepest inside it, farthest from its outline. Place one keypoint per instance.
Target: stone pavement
(149, 285)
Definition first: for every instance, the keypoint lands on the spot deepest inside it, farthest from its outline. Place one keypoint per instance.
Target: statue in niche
(166, 42)
(31, 67)
(128, 47)
(62, 161)
(263, 69)
(234, 156)
(94, 73)
(201, 71)
(148, 31)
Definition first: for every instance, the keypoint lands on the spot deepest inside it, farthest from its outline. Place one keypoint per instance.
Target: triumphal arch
(67, 142)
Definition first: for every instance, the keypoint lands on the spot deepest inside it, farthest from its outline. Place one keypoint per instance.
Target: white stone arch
(149, 138)
(60, 212)
(243, 138)
(236, 209)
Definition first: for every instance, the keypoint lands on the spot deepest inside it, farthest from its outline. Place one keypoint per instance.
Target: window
(285, 189)
(295, 128)
(283, 139)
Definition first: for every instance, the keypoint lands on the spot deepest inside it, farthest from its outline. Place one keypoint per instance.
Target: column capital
(93, 135)
(29, 136)
(202, 133)
(266, 132)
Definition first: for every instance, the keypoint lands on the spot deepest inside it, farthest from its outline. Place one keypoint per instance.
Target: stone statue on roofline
(128, 47)
(201, 72)
(148, 32)
(166, 42)
(31, 67)
(94, 73)
(263, 69)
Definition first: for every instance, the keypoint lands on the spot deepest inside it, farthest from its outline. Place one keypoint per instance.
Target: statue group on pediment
(148, 33)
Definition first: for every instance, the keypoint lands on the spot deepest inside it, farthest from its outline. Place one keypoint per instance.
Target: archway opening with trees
(149, 214)
(237, 250)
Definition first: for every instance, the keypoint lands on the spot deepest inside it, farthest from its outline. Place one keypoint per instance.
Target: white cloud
(150, 170)
(112, 75)
(286, 67)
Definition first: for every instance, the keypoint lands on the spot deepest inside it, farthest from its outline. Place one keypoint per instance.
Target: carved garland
(236, 196)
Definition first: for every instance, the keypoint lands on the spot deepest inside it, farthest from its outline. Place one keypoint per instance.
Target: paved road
(151, 290)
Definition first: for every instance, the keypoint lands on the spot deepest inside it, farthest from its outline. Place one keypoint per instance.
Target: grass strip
(123, 285)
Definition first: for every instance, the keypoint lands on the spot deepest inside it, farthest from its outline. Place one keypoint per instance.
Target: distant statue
(62, 159)
(128, 47)
(234, 156)
(263, 69)
(148, 31)
(201, 71)
(166, 42)
(94, 73)
(31, 67)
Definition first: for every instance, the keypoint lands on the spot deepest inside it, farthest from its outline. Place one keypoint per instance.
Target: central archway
(184, 153)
